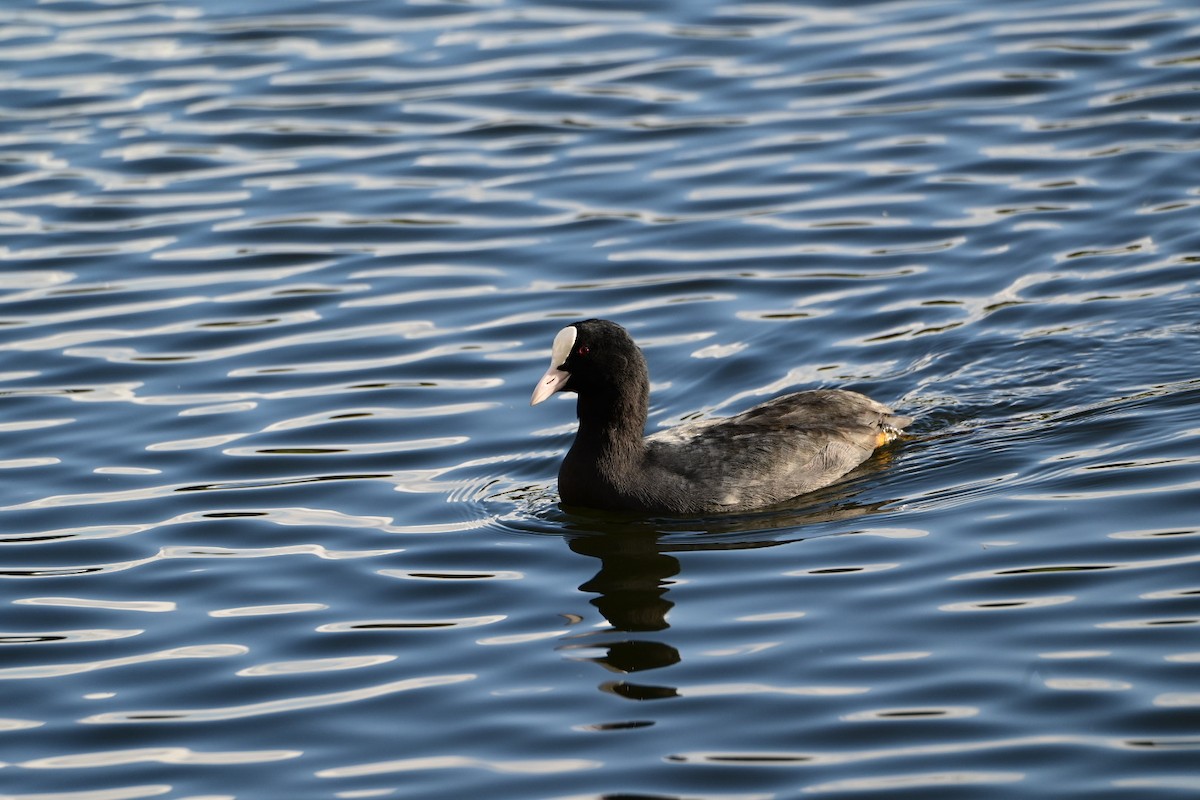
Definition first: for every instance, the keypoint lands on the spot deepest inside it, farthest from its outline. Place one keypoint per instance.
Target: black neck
(612, 423)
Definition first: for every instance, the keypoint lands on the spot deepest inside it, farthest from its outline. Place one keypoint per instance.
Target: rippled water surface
(276, 281)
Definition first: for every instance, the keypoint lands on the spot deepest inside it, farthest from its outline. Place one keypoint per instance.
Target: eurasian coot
(773, 452)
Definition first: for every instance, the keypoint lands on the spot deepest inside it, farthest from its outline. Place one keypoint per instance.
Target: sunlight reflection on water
(278, 520)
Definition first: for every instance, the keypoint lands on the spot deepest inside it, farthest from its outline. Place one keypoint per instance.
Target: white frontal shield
(555, 378)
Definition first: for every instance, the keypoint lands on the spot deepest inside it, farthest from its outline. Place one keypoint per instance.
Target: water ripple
(159, 755)
(59, 670)
(784, 758)
(274, 706)
(277, 280)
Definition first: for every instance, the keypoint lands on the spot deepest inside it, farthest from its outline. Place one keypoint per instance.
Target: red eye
(582, 350)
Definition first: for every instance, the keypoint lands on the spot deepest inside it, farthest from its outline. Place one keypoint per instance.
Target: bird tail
(891, 428)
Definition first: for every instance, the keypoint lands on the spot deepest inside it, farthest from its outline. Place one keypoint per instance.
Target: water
(278, 279)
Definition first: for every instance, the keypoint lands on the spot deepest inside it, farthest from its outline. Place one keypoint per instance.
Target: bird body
(773, 452)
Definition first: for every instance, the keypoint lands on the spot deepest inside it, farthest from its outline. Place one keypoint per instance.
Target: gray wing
(778, 450)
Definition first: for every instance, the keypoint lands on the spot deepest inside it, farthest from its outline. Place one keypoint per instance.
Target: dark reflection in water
(633, 580)
(630, 587)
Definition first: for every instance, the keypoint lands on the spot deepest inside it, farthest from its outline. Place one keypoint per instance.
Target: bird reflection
(632, 583)
(630, 591)
(631, 588)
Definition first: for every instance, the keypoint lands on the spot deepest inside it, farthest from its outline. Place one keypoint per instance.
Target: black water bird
(773, 452)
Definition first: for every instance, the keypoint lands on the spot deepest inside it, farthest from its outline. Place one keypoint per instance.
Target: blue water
(277, 279)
